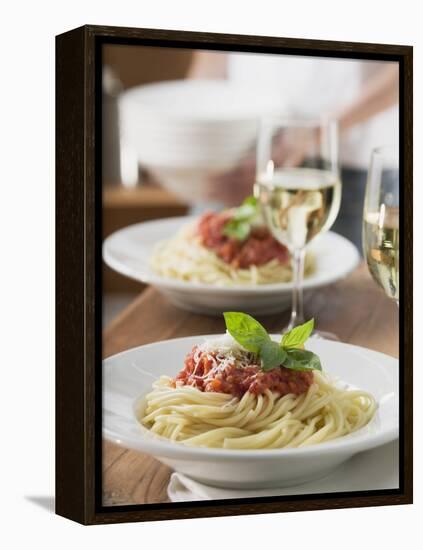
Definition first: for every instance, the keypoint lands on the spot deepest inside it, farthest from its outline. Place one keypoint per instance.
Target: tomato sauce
(257, 249)
(204, 371)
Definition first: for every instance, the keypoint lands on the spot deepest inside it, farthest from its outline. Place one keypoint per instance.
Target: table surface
(353, 308)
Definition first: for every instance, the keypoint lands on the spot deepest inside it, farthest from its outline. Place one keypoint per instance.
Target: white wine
(381, 245)
(299, 203)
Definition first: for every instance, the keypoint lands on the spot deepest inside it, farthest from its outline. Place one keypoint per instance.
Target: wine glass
(298, 188)
(381, 220)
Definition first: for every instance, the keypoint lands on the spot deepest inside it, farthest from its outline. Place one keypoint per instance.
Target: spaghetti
(184, 257)
(306, 408)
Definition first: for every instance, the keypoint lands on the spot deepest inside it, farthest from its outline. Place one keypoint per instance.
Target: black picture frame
(78, 272)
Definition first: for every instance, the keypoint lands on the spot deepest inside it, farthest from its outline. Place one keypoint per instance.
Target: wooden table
(354, 308)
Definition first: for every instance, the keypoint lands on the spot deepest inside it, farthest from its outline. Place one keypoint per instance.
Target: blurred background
(137, 196)
(179, 131)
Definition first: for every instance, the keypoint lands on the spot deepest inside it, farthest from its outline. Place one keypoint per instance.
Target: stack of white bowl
(187, 130)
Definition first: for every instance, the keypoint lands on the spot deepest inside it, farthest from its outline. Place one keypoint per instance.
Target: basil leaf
(271, 355)
(246, 330)
(239, 226)
(253, 337)
(250, 200)
(301, 359)
(237, 229)
(298, 335)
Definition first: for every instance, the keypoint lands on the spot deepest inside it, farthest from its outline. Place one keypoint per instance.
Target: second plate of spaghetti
(164, 254)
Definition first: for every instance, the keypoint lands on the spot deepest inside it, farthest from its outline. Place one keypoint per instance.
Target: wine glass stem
(297, 315)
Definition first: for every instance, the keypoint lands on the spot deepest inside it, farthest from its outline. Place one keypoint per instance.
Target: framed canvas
(202, 180)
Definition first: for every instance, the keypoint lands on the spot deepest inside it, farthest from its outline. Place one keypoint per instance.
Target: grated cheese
(227, 353)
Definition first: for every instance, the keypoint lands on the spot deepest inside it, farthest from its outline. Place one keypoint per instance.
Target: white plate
(124, 381)
(128, 252)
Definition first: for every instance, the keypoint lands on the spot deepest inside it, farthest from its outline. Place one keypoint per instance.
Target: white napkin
(375, 469)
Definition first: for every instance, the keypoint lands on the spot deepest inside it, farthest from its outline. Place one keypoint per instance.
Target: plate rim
(130, 97)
